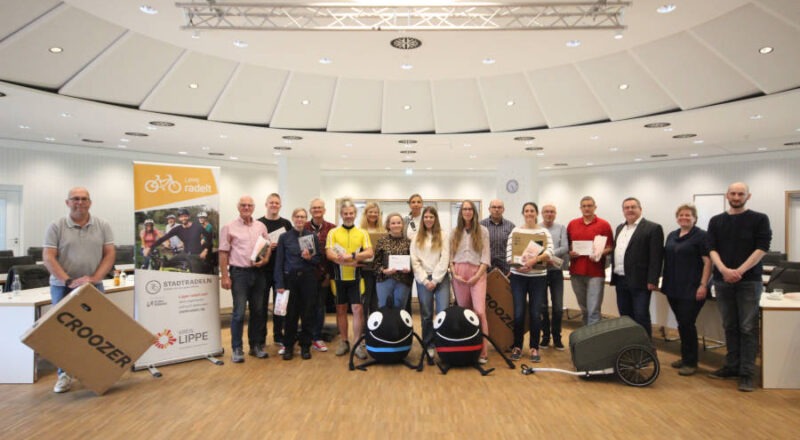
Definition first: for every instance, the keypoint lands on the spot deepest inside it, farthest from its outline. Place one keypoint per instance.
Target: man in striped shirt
(499, 229)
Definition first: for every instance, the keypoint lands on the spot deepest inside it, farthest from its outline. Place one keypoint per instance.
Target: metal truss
(210, 14)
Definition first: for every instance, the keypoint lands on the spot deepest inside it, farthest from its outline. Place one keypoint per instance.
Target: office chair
(7, 262)
(30, 276)
(786, 278)
(36, 253)
(7, 253)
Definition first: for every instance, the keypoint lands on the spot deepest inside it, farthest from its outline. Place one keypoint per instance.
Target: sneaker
(687, 370)
(558, 346)
(281, 350)
(319, 345)
(483, 360)
(535, 356)
(287, 354)
(238, 356)
(63, 384)
(343, 348)
(677, 364)
(724, 373)
(545, 343)
(305, 353)
(361, 352)
(516, 354)
(746, 383)
(258, 351)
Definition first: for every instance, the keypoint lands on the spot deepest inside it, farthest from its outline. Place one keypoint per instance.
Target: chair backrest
(35, 253)
(788, 264)
(786, 278)
(30, 276)
(7, 253)
(124, 254)
(773, 258)
(7, 262)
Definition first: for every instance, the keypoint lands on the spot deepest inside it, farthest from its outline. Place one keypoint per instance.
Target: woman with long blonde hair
(430, 257)
(372, 222)
(470, 257)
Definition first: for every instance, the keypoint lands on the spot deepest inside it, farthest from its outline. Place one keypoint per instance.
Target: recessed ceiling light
(473, 156)
(792, 144)
(638, 159)
(66, 115)
(613, 149)
(276, 153)
(49, 138)
(408, 151)
(151, 128)
(240, 44)
(305, 102)
(234, 158)
(193, 86)
(428, 168)
(762, 148)
(406, 107)
(540, 154)
(560, 164)
(348, 145)
(147, 9)
(668, 129)
(122, 146)
(24, 127)
(406, 66)
(589, 164)
(534, 148)
(216, 154)
(56, 49)
(623, 86)
(510, 103)
(698, 141)
(756, 117)
(684, 136)
(205, 148)
(693, 155)
(408, 161)
(195, 35)
(92, 141)
(524, 138)
(657, 156)
(182, 152)
(124, 140)
(666, 9)
(387, 168)
(325, 60)
(765, 50)
(136, 133)
(618, 35)
(223, 136)
(407, 141)
(467, 145)
(471, 168)
(573, 43)
(292, 138)
(657, 125)
(488, 61)
(594, 138)
(282, 148)
(547, 168)
(409, 171)
(162, 123)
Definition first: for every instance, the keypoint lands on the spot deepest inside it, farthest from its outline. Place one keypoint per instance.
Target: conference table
(18, 314)
(780, 341)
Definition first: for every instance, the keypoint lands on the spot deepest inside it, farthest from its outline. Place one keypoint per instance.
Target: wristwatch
(67, 282)
(354, 256)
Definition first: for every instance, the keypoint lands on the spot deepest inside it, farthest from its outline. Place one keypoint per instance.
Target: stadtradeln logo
(164, 339)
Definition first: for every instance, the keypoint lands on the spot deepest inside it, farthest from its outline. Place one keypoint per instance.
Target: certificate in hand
(583, 247)
(599, 244)
(276, 234)
(306, 242)
(400, 262)
(259, 249)
(525, 246)
(281, 302)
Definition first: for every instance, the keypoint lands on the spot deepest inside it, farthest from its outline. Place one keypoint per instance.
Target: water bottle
(16, 286)
(123, 278)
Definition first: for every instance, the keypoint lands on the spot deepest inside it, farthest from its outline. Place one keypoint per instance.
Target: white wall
(46, 172)
(662, 187)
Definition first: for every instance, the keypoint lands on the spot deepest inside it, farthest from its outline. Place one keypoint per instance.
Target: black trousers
(303, 300)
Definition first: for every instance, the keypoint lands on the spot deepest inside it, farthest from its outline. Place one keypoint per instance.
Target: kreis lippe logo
(164, 339)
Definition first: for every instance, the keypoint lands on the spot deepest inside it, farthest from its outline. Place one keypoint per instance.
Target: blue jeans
(738, 307)
(634, 302)
(521, 288)
(686, 311)
(555, 281)
(589, 293)
(441, 296)
(398, 292)
(57, 293)
(248, 286)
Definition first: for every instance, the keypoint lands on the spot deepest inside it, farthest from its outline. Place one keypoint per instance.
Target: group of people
(185, 237)
(312, 258)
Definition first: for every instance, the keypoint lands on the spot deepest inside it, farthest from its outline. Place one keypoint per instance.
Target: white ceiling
(697, 68)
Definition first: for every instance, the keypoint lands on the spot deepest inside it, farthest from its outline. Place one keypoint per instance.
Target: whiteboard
(708, 205)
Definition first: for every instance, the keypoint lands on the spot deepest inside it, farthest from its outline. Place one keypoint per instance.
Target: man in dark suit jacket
(636, 263)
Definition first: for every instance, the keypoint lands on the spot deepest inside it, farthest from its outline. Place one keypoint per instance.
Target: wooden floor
(320, 398)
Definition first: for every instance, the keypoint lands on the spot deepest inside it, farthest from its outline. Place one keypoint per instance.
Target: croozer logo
(164, 339)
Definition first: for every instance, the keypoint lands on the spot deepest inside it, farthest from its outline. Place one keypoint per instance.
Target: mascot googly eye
(406, 317)
(471, 317)
(439, 320)
(375, 320)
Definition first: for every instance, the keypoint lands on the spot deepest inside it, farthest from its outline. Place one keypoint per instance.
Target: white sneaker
(63, 384)
(361, 352)
(281, 350)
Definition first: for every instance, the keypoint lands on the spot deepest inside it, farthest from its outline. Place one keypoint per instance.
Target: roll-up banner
(176, 292)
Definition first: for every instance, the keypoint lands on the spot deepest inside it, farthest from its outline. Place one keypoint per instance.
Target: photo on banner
(176, 292)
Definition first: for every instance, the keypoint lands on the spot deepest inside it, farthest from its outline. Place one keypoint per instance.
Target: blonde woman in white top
(529, 279)
(470, 257)
(430, 257)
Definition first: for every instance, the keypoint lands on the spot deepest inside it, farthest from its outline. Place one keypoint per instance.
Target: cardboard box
(500, 309)
(520, 241)
(89, 337)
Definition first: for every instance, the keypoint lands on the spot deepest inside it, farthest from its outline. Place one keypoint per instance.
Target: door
(793, 225)
(10, 218)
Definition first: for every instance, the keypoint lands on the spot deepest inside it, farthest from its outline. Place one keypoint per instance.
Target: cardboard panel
(500, 309)
(90, 338)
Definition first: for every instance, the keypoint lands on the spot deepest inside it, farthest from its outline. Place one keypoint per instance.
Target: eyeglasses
(78, 199)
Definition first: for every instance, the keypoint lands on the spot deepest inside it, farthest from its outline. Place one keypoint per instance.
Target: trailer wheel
(637, 366)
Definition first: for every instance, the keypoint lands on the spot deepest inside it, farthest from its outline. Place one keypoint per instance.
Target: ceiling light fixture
(282, 148)
(122, 146)
(50, 139)
(765, 50)
(613, 149)
(406, 107)
(56, 49)
(240, 44)
(792, 144)
(489, 61)
(762, 148)
(540, 154)
(193, 85)
(24, 127)
(149, 10)
(666, 9)
(136, 134)
(473, 156)
(325, 60)
(698, 141)
(216, 154)
(124, 140)
(588, 164)
(623, 86)
(560, 164)
(407, 141)
(66, 115)
(693, 155)
(406, 66)
(234, 158)
(524, 138)
(92, 141)
(534, 148)
(618, 35)
(195, 35)
(406, 43)
(594, 138)
(184, 153)
(756, 117)
(162, 123)
(573, 43)
(305, 102)
(205, 148)
(409, 171)
(408, 151)
(292, 138)
(223, 136)
(657, 125)
(684, 136)
(657, 156)
(638, 159)
(510, 103)
(408, 161)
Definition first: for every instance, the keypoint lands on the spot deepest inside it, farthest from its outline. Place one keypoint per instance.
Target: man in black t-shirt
(274, 222)
(738, 239)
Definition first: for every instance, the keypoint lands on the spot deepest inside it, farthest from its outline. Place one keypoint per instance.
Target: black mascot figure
(458, 339)
(388, 338)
